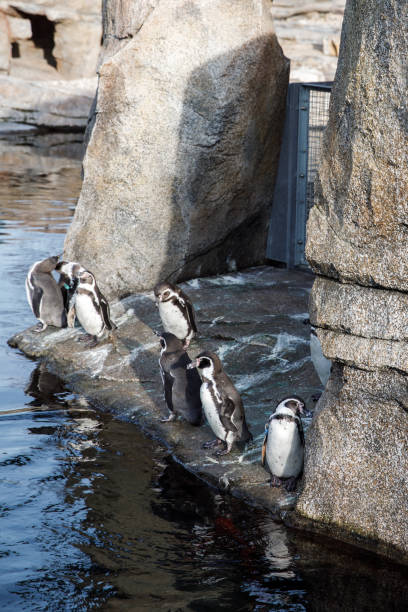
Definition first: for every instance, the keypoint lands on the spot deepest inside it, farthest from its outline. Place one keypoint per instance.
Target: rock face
(356, 460)
(181, 160)
(66, 36)
(309, 33)
(56, 104)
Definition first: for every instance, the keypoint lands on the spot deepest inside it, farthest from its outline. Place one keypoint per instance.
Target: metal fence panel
(306, 118)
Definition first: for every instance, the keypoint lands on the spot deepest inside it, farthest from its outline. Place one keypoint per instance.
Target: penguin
(321, 364)
(176, 312)
(221, 402)
(69, 277)
(92, 308)
(284, 441)
(181, 385)
(44, 295)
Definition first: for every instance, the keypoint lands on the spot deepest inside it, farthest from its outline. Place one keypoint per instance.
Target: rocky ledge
(252, 319)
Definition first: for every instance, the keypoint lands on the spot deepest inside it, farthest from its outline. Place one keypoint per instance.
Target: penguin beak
(193, 364)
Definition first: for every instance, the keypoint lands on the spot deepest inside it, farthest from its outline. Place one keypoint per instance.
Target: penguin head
(87, 278)
(169, 342)
(163, 292)
(70, 269)
(294, 403)
(207, 364)
(47, 265)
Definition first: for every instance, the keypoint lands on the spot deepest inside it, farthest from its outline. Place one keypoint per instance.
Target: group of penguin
(191, 387)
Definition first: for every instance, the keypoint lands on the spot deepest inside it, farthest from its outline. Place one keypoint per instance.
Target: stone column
(356, 470)
(182, 156)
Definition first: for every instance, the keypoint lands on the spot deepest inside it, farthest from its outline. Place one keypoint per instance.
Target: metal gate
(307, 110)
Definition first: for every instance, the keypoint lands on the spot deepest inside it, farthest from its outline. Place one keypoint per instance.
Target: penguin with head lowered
(283, 445)
(176, 312)
(69, 277)
(44, 295)
(181, 385)
(221, 402)
(92, 309)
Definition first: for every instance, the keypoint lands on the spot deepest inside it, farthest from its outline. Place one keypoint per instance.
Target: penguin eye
(204, 363)
(166, 294)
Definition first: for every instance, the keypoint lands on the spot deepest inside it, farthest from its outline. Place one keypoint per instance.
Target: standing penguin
(44, 295)
(69, 277)
(221, 402)
(92, 308)
(176, 311)
(181, 385)
(283, 445)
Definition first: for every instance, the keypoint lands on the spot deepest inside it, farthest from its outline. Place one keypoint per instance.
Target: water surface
(95, 516)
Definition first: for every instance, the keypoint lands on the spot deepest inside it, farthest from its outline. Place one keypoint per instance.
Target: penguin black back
(181, 385)
(221, 401)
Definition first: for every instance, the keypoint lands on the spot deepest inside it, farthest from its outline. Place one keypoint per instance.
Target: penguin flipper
(226, 413)
(71, 316)
(300, 431)
(190, 315)
(265, 440)
(186, 302)
(168, 382)
(36, 296)
(105, 310)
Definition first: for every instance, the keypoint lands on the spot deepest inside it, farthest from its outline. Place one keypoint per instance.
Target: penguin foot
(85, 338)
(290, 483)
(275, 481)
(40, 327)
(171, 417)
(212, 443)
(222, 452)
(89, 340)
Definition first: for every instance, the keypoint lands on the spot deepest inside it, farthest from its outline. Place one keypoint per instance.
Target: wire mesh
(318, 117)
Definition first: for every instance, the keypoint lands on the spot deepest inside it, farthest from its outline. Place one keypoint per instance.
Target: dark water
(95, 516)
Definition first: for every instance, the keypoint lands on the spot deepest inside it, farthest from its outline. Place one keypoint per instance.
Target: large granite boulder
(356, 460)
(181, 161)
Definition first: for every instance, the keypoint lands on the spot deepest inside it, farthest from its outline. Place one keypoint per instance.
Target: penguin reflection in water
(222, 403)
(92, 309)
(176, 312)
(283, 445)
(44, 295)
(181, 385)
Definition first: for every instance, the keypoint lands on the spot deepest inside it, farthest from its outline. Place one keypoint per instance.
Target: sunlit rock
(181, 161)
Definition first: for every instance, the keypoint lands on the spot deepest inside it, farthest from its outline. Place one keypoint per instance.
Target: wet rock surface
(253, 320)
(356, 456)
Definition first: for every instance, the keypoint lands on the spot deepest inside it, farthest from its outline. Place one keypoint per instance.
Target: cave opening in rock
(43, 31)
(15, 49)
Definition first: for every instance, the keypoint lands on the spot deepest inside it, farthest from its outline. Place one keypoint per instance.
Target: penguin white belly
(88, 317)
(173, 320)
(284, 450)
(211, 412)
